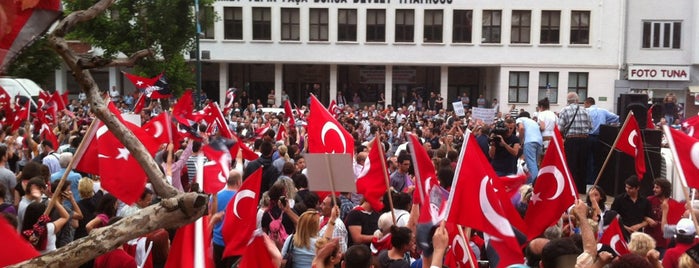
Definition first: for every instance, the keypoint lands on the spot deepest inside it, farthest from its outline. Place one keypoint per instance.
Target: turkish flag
(649, 118)
(631, 143)
(281, 133)
(217, 169)
(21, 23)
(190, 241)
(371, 181)
(675, 211)
(288, 113)
(685, 151)
(504, 189)
(256, 254)
(248, 154)
(325, 134)
(21, 115)
(460, 253)
(230, 97)
(474, 203)
(554, 191)
(140, 103)
(690, 125)
(161, 128)
(5, 98)
(141, 82)
(14, 248)
(45, 99)
(107, 157)
(46, 132)
(614, 238)
(183, 109)
(217, 117)
(60, 100)
(240, 219)
(426, 179)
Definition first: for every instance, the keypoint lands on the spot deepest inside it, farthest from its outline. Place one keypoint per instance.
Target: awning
(694, 89)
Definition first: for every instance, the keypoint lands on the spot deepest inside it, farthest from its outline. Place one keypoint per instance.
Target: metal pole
(197, 92)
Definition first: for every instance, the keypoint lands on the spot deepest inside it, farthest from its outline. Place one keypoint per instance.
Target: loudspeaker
(620, 165)
(638, 103)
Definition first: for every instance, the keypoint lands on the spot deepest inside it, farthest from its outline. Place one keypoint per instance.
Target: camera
(499, 129)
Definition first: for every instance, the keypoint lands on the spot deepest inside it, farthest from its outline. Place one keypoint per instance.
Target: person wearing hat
(685, 233)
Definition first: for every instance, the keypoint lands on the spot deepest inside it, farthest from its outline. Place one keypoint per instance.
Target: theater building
(515, 51)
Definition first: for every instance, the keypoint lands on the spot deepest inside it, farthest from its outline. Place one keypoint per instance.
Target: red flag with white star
(474, 203)
(631, 143)
(614, 238)
(112, 158)
(685, 152)
(240, 219)
(554, 191)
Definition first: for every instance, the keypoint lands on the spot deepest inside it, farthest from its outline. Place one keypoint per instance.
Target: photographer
(504, 148)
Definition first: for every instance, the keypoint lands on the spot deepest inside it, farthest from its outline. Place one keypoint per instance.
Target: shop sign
(659, 73)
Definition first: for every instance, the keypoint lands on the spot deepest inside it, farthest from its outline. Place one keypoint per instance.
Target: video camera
(499, 129)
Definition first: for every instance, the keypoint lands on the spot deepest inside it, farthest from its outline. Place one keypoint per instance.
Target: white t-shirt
(50, 238)
(549, 118)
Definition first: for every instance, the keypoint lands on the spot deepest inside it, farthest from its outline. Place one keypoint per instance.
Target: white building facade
(517, 52)
(660, 53)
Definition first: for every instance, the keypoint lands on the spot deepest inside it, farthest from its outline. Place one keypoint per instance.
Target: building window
(491, 26)
(580, 27)
(462, 26)
(577, 82)
(233, 23)
(376, 25)
(548, 86)
(261, 23)
(519, 87)
(290, 24)
(521, 26)
(346, 25)
(662, 34)
(207, 24)
(405, 25)
(318, 24)
(550, 27)
(433, 26)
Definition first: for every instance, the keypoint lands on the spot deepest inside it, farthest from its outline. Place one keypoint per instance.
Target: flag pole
(611, 150)
(385, 176)
(332, 180)
(468, 231)
(411, 146)
(680, 171)
(89, 135)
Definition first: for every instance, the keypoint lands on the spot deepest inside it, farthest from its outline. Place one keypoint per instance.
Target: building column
(333, 83)
(388, 91)
(114, 76)
(62, 79)
(444, 85)
(223, 82)
(278, 83)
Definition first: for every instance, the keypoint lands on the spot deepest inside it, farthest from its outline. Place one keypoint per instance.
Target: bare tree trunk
(175, 210)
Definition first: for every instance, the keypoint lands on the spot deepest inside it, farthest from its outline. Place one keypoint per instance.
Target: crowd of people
(345, 230)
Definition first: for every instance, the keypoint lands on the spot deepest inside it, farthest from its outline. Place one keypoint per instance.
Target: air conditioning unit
(206, 54)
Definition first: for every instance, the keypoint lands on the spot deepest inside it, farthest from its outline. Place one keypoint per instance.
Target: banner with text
(485, 114)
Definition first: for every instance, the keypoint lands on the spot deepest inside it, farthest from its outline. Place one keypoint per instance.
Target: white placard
(133, 118)
(324, 167)
(459, 108)
(485, 114)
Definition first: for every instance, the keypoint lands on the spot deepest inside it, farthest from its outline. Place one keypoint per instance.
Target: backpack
(277, 232)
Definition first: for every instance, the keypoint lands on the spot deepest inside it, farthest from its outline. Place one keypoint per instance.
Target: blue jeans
(532, 151)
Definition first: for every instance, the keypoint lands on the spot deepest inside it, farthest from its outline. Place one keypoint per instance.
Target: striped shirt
(581, 123)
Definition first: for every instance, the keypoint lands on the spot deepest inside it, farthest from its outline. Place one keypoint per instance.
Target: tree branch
(99, 62)
(65, 25)
(169, 213)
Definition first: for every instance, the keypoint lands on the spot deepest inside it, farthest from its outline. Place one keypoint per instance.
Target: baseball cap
(686, 227)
